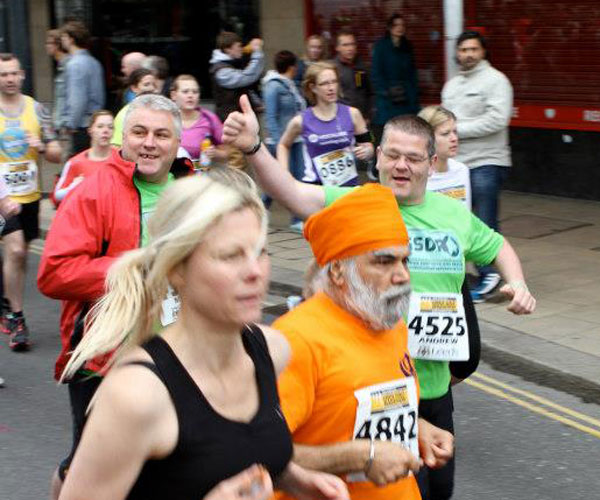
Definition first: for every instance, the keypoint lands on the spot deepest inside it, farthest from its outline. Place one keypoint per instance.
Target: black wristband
(254, 149)
(365, 137)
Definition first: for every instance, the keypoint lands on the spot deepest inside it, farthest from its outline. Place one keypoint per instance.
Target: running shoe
(297, 227)
(486, 285)
(19, 338)
(6, 323)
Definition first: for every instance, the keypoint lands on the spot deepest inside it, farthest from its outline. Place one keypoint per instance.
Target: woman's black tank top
(210, 447)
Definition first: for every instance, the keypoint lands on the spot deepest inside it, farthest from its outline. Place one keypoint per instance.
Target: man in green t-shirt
(104, 217)
(443, 235)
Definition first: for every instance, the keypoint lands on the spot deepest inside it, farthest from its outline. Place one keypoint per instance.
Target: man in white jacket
(481, 97)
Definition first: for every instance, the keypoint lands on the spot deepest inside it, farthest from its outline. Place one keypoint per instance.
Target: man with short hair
(129, 63)
(231, 76)
(355, 83)
(443, 235)
(26, 132)
(104, 217)
(349, 394)
(481, 97)
(84, 81)
(353, 74)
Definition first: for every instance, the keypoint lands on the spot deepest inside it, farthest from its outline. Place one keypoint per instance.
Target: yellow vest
(18, 161)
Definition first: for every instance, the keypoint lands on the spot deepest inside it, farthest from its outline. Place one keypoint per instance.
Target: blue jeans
(486, 182)
(296, 169)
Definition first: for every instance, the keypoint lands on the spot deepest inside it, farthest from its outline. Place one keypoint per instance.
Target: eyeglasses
(327, 83)
(411, 159)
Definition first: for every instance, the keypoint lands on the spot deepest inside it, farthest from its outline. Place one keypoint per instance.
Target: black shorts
(81, 391)
(27, 220)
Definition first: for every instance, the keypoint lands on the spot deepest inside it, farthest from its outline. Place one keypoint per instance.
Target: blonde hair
(137, 282)
(436, 115)
(310, 79)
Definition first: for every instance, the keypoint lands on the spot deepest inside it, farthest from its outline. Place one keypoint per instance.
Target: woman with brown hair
(334, 134)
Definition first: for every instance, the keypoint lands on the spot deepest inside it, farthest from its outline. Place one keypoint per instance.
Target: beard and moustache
(381, 311)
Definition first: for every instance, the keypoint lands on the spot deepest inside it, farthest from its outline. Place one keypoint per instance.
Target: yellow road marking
(534, 408)
(539, 399)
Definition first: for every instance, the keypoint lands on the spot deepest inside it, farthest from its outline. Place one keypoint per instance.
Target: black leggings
(437, 484)
(462, 369)
(81, 391)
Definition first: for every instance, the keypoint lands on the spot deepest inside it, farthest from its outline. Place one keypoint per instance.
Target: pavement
(558, 241)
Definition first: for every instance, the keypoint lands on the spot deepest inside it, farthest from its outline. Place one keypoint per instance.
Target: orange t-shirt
(334, 354)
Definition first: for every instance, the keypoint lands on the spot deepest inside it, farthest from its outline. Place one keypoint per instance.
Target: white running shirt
(454, 183)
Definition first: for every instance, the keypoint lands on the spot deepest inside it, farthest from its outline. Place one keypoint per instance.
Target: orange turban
(366, 219)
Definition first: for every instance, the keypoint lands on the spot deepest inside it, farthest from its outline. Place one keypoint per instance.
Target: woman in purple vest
(334, 134)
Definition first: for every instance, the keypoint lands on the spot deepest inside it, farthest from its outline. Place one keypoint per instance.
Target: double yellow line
(567, 416)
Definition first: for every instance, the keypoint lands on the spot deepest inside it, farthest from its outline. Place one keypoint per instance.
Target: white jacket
(482, 100)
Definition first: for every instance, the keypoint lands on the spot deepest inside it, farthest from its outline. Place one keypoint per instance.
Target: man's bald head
(131, 62)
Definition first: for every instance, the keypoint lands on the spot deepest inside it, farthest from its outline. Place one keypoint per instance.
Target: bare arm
(338, 458)
(279, 348)
(391, 461)
(125, 428)
(509, 265)
(292, 131)
(241, 131)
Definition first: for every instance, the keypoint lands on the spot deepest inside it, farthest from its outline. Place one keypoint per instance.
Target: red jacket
(94, 225)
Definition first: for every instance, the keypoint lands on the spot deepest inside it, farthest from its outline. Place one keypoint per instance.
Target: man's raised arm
(241, 131)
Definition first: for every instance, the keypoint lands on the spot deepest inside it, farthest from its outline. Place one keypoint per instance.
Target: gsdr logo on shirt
(13, 143)
(435, 251)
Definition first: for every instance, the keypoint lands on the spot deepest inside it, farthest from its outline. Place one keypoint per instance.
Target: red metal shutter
(550, 50)
(367, 19)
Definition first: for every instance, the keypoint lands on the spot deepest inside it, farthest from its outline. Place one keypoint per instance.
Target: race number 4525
(434, 325)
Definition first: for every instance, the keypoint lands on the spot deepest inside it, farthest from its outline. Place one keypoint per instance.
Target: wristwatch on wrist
(254, 148)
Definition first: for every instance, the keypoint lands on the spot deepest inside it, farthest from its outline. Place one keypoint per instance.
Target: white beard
(381, 311)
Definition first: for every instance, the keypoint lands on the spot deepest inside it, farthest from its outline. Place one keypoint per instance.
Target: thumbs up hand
(241, 128)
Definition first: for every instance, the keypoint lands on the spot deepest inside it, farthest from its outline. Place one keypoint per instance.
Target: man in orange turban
(350, 394)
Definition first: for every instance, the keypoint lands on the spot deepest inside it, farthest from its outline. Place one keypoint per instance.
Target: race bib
(437, 328)
(387, 412)
(457, 192)
(21, 177)
(170, 308)
(336, 167)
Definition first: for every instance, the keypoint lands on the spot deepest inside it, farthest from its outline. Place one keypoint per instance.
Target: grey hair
(412, 125)
(155, 102)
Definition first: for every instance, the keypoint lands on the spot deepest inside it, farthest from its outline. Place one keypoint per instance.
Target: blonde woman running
(183, 410)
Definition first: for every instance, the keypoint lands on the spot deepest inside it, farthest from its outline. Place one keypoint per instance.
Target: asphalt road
(515, 439)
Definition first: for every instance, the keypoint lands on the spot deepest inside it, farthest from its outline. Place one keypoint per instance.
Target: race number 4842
(399, 428)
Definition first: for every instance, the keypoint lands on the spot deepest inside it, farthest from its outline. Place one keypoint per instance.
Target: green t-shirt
(149, 194)
(443, 234)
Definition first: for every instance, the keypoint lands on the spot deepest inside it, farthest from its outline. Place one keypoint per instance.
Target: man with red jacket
(96, 223)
